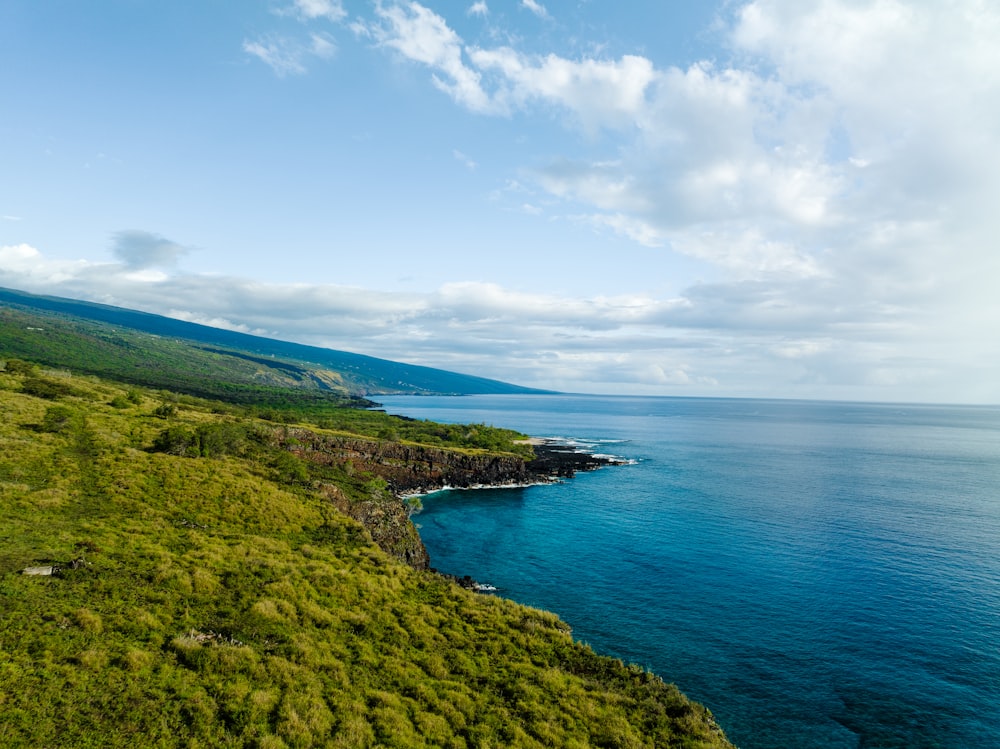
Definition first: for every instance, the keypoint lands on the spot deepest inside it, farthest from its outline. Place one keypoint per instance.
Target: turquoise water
(818, 574)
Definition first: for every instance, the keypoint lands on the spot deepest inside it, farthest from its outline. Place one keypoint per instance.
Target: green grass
(221, 601)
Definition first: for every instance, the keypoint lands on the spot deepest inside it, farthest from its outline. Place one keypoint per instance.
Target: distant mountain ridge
(357, 374)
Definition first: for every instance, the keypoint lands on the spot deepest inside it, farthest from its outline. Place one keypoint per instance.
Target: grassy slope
(215, 605)
(133, 356)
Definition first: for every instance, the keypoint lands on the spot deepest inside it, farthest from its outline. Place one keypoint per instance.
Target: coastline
(555, 460)
(395, 472)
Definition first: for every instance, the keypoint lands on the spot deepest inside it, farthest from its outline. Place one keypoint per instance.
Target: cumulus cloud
(848, 151)
(23, 266)
(599, 93)
(840, 119)
(478, 9)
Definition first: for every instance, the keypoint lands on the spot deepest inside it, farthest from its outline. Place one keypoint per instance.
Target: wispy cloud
(478, 9)
(462, 158)
(290, 55)
(535, 7)
(322, 45)
(331, 10)
(420, 35)
(284, 56)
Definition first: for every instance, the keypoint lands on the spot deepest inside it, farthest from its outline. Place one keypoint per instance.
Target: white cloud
(331, 10)
(322, 45)
(215, 322)
(535, 7)
(749, 254)
(287, 55)
(283, 56)
(23, 266)
(834, 182)
(599, 93)
(421, 35)
(627, 226)
(746, 151)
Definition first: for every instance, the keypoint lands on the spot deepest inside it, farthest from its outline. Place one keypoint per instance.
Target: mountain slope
(320, 368)
(183, 577)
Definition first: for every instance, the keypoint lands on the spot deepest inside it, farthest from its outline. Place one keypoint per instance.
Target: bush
(118, 402)
(176, 440)
(165, 410)
(41, 387)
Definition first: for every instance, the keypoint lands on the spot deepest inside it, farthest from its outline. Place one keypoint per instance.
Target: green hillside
(150, 341)
(209, 591)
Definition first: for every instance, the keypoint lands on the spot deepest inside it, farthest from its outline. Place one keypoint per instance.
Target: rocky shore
(556, 459)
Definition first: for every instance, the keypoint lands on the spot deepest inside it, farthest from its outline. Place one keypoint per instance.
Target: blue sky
(769, 198)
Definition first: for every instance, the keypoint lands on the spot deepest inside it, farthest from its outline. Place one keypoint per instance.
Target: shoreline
(556, 459)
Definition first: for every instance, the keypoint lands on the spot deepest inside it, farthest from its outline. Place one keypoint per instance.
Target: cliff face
(387, 519)
(414, 469)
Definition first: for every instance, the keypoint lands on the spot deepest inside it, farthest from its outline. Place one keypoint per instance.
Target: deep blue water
(819, 574)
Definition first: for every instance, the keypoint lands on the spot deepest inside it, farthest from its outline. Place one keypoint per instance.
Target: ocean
(818, 574)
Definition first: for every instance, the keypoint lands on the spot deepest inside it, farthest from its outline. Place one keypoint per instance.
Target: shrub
(57, 419)
(165, 410)
(176, 440)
